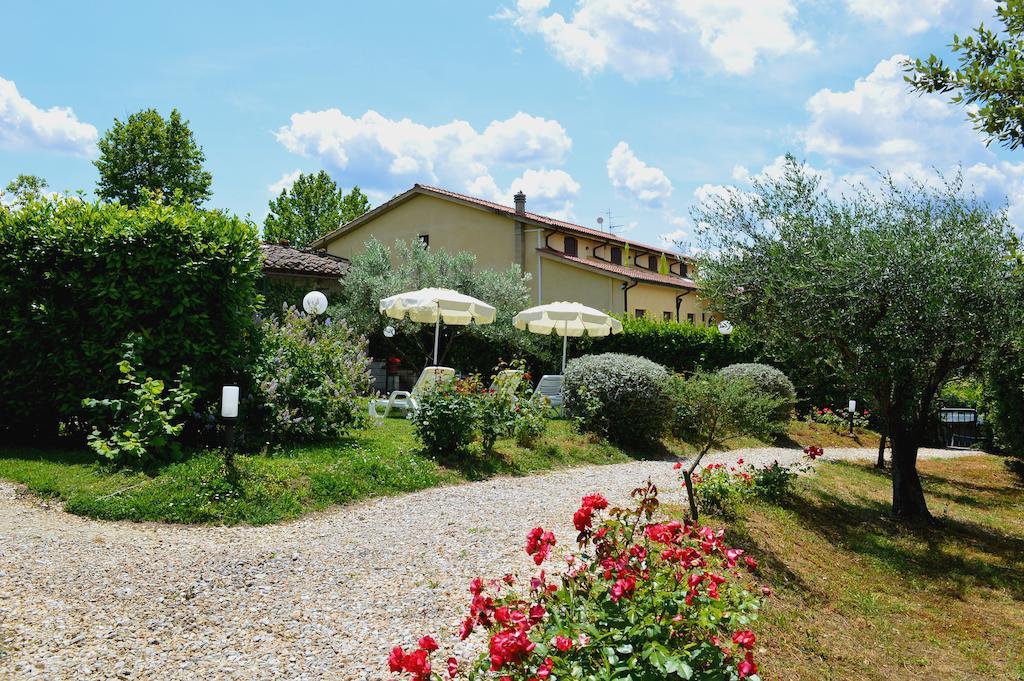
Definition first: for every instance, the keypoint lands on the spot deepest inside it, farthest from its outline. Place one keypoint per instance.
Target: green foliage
(680, 347)
(312, 207)
(774, 482)
(770, 381)
(77, 279)
(376, 273)
(711, 408)
(621, 397)
(308, 379)
(148, 155)
(989, 78)
(1004, 398)
(279, 295)
(25, 189)
(143, 425)
(968, 393)
(719, 491)
(530, 418)
(447, 420)
(893, 288)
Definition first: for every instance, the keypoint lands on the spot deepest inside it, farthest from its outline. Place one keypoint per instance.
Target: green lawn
(268, 488)
(859, 596)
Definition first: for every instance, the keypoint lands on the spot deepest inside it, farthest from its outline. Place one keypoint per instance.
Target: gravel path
(323, 597)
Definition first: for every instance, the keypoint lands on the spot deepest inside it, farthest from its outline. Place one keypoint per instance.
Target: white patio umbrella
(436, 305)
(566, 319)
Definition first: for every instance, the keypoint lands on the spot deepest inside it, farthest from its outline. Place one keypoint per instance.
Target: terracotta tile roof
(287, 260)
(543, 219)
(631, 272)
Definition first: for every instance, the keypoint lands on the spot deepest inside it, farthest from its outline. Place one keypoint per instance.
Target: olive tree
(377, 272)
(895, 286)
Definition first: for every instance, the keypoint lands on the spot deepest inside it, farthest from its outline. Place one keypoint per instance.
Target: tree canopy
(311, 208)
(374, 274)
(25, 189)
(151, 155)
(989, 79)
(894, 287)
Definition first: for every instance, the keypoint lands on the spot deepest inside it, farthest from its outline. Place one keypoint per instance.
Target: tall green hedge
(679, 346)
(77, 278)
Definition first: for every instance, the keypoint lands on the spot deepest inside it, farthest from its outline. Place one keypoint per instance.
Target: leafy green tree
(311, 208)
(897, 288)
(712, 408)
(25, 189)
(151, 155)
(989, 80)
(377, 273)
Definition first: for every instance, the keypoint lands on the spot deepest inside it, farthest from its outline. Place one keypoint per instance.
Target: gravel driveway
(323, 597)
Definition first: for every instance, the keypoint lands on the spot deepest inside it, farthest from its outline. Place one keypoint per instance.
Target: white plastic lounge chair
(429, 380)
(507, 382)
(550, 386)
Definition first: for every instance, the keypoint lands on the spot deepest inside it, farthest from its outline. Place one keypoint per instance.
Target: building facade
(566, 261)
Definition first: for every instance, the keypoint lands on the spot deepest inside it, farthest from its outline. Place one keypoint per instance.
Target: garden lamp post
(725, 327)
(853, 410)
(229, 413)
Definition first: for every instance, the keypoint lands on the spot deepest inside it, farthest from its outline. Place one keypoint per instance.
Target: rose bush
(838, 418)
(720, 488)
(641, 598)
(450, 419)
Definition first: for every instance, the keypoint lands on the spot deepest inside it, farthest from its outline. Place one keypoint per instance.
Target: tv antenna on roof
(611, 227)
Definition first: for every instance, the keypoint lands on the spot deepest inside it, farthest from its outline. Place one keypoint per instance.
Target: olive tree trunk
(908, 501)
(880, 463)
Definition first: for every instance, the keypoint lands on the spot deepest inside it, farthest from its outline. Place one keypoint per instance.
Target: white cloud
(879, 120)
(880, 124)
(386, 155)
(23, 125)
(548, 192)
(286, 182)
(653, 39)
(646, 184)
(913, 16)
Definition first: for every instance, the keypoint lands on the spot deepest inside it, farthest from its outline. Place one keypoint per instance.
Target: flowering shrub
(641, 598)
(530, 418)
(448, 418)
(838, 419)
(308, 378)
(144, 425)
(720, 488)
(621, 397)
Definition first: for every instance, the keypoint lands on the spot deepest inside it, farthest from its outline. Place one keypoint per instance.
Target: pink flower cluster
(539, 543)
(626, 563)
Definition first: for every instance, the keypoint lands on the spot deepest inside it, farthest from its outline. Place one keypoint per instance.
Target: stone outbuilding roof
(282, 259)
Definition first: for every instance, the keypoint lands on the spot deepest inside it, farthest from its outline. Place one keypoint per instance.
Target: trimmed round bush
(770, 380)
(621, 397)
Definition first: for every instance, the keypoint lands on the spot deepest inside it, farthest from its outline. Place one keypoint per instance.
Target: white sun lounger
(429, 380)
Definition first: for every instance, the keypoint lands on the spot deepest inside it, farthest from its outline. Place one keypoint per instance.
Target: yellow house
(566, 261)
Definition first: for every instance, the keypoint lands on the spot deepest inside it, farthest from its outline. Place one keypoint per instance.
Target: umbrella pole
(565, 346)
(437, 332)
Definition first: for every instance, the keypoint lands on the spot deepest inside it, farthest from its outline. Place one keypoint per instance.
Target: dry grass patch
(862, 597)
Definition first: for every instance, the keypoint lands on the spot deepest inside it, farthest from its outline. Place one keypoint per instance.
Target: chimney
(520, 199)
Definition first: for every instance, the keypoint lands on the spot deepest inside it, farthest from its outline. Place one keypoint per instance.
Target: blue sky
(639, 107)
